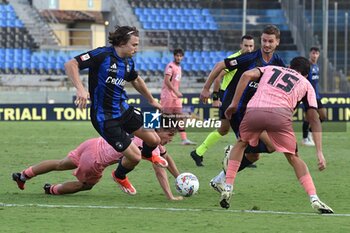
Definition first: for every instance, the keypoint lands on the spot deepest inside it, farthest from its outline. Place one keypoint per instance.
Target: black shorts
(225, 102)
(117, 131)
(221, 94)
(235, 122)
(319, 105)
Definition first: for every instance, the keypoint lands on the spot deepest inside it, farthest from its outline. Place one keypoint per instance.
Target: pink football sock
(308, 184)
(231, 172)
(54, 189)
(28, 172)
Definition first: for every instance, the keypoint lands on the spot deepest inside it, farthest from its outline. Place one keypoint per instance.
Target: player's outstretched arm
(164, 183)
(250, 75)
(205, 93)
(172, 168)
(315, 123)
(141, 87)
(72, 70)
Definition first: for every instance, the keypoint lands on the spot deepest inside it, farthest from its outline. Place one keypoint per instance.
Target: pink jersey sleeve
(169, 69)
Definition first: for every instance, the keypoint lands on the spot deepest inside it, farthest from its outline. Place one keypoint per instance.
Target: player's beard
(269, 51)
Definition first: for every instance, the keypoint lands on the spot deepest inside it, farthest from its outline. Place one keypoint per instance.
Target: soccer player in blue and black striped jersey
(313, 77)
(110, 67)
(264, 56)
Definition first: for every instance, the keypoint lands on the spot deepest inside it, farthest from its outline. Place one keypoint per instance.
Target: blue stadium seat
(138, 11)
(180, 12)
(11, 15)
(163, 12)
(155, 25)
(10, 23)
(171, 26)
(205, 12)
(143, 18)
(163, 25)
(186, 66)
(154, 11)
(3, 15)
(212, 26)
(172, 11)
(8, 7)
(167, 18)
(188, 25)
(187, 11)
(147, 25)
(158, 18)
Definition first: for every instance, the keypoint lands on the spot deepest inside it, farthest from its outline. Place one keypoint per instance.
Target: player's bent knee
(292, 158)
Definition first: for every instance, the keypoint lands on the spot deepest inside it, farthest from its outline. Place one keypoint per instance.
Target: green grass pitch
(272, 189)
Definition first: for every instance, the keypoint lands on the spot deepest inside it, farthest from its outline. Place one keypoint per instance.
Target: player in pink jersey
(279, 92)
(90, 159)
(170, 96)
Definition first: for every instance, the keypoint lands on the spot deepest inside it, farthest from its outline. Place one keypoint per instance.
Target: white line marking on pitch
(168, 209)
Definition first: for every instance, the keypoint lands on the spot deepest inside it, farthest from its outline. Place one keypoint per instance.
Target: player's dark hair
(122, 35)
(301, 65)
(178, 51)
(247, 37)
(317, 49)
(272, 30)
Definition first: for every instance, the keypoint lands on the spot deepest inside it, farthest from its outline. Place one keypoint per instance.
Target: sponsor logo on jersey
(113, 68)
(253, 84)
(85, 57)
(116, 81)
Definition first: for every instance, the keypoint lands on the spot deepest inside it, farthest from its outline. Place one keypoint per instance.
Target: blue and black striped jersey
(108, 74)
(313, 77)
(243, 63)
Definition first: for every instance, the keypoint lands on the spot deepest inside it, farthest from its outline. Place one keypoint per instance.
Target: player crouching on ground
(90, 159)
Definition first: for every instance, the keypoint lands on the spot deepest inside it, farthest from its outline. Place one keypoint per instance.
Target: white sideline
(169, 209)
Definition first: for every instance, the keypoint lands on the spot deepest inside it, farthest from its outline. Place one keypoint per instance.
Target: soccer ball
(187, 184)
(226, 157)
